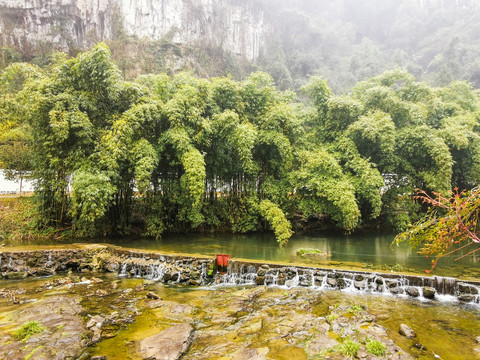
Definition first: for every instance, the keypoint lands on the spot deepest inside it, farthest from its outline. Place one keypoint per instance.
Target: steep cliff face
(234, 26)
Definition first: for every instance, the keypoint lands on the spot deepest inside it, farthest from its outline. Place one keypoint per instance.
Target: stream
(359, 251)
(241, 321)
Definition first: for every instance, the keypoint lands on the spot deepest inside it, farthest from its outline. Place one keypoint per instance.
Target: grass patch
(349, 348)
(354, 309)
(27, 330)
(376, 348)
(33, 352)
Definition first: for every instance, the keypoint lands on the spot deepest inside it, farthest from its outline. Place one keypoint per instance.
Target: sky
(6, 185)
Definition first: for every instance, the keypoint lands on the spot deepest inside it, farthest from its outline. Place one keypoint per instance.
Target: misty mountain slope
(344, 41)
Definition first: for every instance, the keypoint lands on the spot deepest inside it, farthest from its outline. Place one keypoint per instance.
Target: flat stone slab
(170, 344)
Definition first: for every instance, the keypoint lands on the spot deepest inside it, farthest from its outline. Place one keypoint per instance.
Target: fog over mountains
(344, 40)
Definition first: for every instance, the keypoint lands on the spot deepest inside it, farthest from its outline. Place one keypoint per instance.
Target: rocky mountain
(234, 26)
(345, 41)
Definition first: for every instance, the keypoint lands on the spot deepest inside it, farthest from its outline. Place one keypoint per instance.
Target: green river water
(447, 330)
(367, 252)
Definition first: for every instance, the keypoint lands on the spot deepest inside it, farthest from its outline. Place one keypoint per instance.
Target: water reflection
(367, 251)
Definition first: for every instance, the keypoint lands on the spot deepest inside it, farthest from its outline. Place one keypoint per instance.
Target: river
(359, 251)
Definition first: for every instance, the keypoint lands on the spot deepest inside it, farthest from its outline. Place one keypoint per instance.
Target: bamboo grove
(182, 153)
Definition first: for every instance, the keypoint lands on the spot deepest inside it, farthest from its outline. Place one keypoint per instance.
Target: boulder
(428, 292)
(412, 291)
(406, 331)
(170, 344)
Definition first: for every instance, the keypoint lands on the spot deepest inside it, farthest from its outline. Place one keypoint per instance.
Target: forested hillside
(170, 153)
(345, 41)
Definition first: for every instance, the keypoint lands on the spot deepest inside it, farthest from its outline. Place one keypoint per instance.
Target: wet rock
(170, 344)
(477, 339)
(44, 272)
(101, 292)
(195, 282)
(394, 290)
(467, 289)
(14, 275)
(391, 283)
(251, 354)
(466, 297)
(413, 291)
(64, 337)
(250, 328)
(332, 282)
(100, 357)
(97, 335)
(359, 284)
(419, 346)
(260, 280)
(319, 343)
(341, 283)
(152, 295)
(95, 280)
(95, 321)
(428, 292)
(383, 316)
(377, 330)
(359, 277)
(406, 331)
(305, 283)
(112, 267)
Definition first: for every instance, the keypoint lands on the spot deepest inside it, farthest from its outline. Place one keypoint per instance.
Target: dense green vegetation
(182, 153)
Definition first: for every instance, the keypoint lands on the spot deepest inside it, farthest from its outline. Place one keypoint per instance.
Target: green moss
(309, 252)
(32, 352)
(27, 330)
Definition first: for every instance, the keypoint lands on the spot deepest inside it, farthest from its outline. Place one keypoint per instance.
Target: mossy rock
(307, 252)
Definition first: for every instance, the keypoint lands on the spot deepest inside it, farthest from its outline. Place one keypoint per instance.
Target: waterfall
(193, 271)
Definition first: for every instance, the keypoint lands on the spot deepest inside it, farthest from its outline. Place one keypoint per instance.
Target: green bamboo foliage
(182, 153)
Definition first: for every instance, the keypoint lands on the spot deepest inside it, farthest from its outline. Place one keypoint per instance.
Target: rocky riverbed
(100, 316)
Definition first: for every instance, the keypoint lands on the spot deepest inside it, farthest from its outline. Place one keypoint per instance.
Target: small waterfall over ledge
(441, 288)
(202, 271)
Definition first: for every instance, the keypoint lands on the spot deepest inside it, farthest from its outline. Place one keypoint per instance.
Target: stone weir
(203, 271)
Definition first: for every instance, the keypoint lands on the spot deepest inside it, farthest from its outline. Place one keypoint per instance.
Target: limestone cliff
(234, 26)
